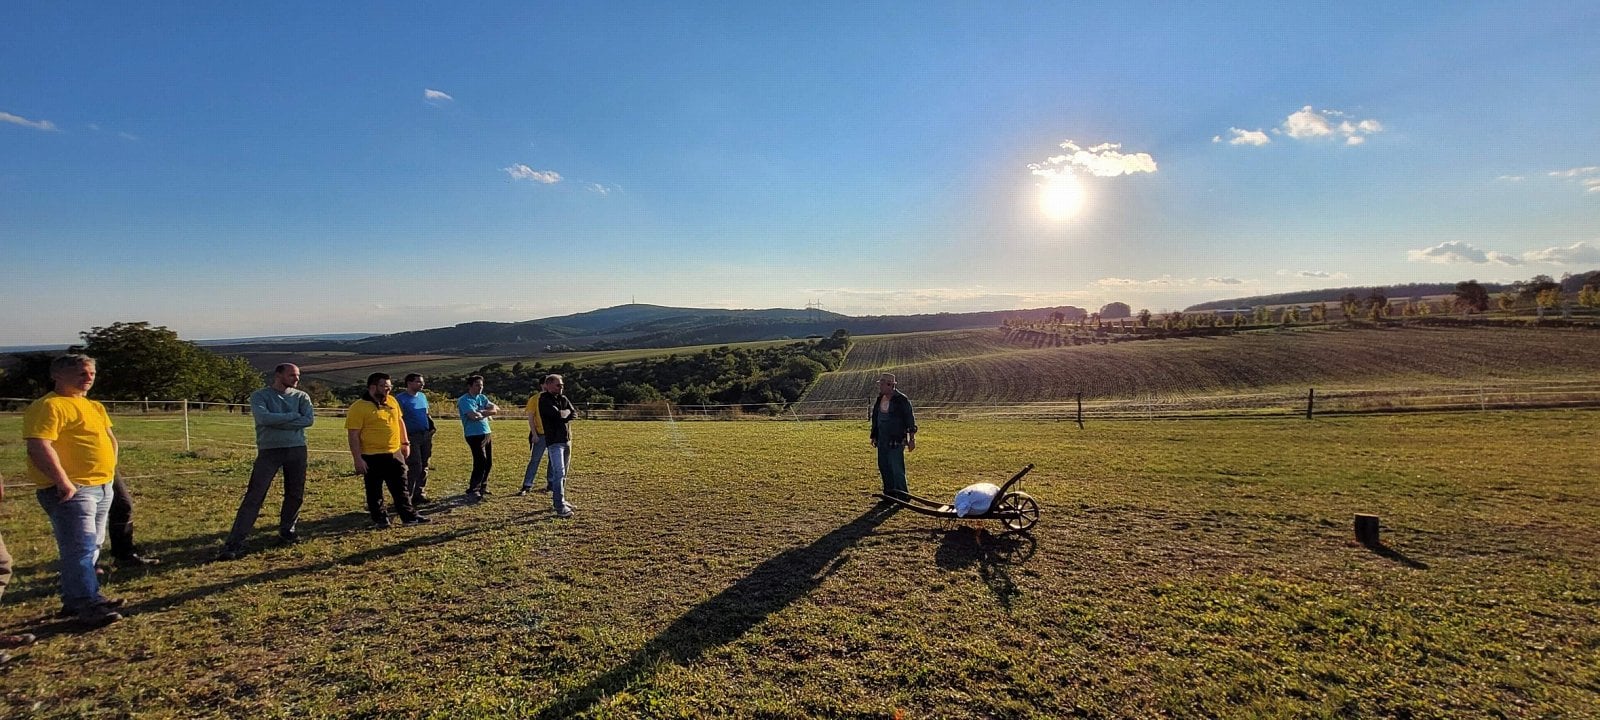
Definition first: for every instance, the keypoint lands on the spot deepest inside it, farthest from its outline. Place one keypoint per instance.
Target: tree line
(137, 360)
(753, 379)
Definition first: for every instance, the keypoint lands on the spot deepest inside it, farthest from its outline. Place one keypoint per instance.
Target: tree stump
(1367, 530)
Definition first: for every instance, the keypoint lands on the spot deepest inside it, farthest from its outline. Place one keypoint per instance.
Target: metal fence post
(186, 425)
(1311, 397)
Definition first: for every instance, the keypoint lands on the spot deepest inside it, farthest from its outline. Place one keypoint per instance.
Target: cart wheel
(1026, 509)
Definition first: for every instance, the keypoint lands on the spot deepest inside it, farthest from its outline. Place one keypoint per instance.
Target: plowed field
(981, 366)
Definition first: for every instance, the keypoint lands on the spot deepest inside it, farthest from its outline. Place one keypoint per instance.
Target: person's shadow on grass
(768, 588)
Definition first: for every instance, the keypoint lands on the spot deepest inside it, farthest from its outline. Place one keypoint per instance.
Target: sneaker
(474, 496)
(288, 538)
(421, 499)
(227, 554)
(522, 492)
(417, 519)
(137, 560)
(565, 513)
(383, 524)
(17, 641)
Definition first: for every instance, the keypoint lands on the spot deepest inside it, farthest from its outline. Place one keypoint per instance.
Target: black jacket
(898, 422)
(555, 426)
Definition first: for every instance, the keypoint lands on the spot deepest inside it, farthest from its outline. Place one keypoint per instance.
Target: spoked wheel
(1021, 511)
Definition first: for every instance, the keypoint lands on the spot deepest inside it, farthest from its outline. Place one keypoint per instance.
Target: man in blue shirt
(419, 426)
(282, 413)
(475, 410)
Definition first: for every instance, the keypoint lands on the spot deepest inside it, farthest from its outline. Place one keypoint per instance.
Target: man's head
(474, 384)
(886, 384)
(286, 376)
(378, 386)
(415, 383)
(553, 384)
(72, 374)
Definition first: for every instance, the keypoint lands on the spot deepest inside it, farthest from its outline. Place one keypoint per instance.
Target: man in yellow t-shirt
(379, 445)
(72, 459)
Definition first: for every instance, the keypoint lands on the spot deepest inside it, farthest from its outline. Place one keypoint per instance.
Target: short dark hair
(376, 378)
(281, 367)
(70, 361)
(474, 378)
(412, 376)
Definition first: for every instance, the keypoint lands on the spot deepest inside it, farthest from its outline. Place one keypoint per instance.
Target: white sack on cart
(975, 499)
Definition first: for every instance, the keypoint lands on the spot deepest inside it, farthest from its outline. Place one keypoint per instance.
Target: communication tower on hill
(815, 309)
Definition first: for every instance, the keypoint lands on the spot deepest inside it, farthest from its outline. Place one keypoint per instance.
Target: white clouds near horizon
(1314, 274)
(519, 171)
(1103, 160)
(1455, 251)
(45, 125)
(1245, 137)
(436, 96)
(1574, 254)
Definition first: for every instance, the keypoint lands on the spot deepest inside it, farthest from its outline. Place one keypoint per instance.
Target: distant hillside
(981, 366)
(1305, 297)
(644, 326)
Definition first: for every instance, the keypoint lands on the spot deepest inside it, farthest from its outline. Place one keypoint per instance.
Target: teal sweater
(281, 418)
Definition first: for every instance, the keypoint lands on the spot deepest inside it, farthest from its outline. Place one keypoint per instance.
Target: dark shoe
(96, 616)
(288, 538)
(382, 524)
(227, 554)
(417, 519)
(546, 488)
(421, 500)
(522, 492)
(136, 560)
(474, 496)
(17, 641)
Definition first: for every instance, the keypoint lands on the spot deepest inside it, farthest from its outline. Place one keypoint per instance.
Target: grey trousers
(292, 461)
(417, 463)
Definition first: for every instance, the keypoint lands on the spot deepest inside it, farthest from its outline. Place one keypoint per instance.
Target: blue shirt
(281, 418)
(414, 409)
(471, 404)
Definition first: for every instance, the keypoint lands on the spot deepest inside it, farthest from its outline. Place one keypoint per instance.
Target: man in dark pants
(894, 431)
(119, 526)
(378, 445)
(419, 429)
(282, 413)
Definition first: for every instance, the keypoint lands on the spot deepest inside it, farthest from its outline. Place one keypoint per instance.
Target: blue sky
(231, 170)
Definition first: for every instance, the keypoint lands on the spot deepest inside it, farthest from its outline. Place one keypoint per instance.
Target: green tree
(139, 360)
(1471, 297)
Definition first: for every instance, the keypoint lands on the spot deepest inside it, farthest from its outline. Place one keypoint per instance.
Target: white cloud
(1574, 254)
(1570, 172)
(1255, 138)
(436, 96)
(1165, 281)
(35, 124)
(1223, 281)
(519, 171)
(1592, 185)
(599, 189)
(1313, 274)
(1455, 251)
(128, 136)
(1512, 178)
(1311, 124)
(1103, 160)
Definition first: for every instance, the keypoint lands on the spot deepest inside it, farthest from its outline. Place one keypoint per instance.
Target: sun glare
(1061, 197)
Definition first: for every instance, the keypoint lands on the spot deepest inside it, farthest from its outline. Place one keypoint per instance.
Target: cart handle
(1014, 480)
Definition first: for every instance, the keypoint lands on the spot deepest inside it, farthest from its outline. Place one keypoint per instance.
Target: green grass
(1182, 568)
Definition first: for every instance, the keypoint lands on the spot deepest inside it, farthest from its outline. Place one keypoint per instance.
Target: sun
(1061, 197)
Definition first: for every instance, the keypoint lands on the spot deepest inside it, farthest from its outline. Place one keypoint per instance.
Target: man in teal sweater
(282, 414)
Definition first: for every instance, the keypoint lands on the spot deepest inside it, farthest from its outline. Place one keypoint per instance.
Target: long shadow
(1384, 551)
(994, 555)
(768, 588)
(37, 579)
(48, 625)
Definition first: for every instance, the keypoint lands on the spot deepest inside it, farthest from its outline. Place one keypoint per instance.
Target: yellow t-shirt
(533, 412)
(80, 431)
(380, 426)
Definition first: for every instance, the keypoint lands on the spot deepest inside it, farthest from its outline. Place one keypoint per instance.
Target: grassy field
(1185, 569)
(982, 366)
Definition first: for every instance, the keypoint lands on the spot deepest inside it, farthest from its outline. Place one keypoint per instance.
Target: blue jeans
(558, 452)
(79, 525)
(892, 467)
(536, 448)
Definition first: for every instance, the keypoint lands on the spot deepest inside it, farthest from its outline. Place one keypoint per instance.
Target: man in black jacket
(555, 412)
(894, 431)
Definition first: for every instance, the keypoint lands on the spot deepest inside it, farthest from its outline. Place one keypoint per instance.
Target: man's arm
(355, 451)
(44, 457)
(911, 426)
(405, 444)
(268, 418)
(305, 415)
(466, 407)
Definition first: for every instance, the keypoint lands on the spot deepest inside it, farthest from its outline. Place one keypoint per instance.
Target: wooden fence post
(1311, 398)
(1080, 409)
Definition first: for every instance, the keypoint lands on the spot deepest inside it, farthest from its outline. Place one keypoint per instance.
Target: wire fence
(1310, 402)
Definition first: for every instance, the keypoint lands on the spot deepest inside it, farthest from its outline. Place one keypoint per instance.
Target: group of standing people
(72, 461)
